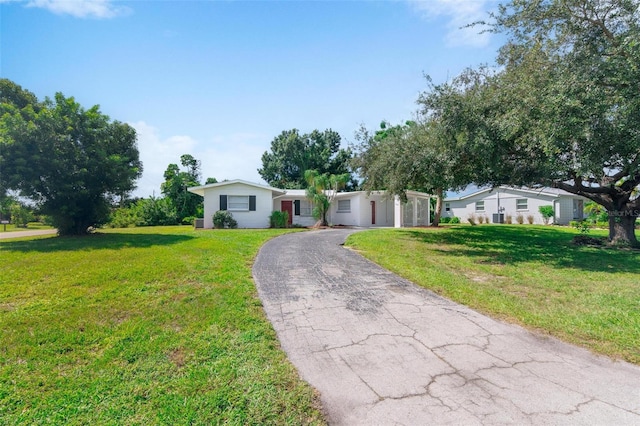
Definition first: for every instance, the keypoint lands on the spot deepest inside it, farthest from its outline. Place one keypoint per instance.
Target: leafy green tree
(418, 155)
(185, 203)
(21, 214)
(292, 154)
(547, 213)
(562, 110)
(321, 190)
(69, 161)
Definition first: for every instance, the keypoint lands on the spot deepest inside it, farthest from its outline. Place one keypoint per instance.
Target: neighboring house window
(344, 206)
(306, 208)
(522, 204)
(447, 207)
(479, 206)
(238, 203)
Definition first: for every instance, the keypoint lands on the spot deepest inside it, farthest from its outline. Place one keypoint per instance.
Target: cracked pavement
(381, 350)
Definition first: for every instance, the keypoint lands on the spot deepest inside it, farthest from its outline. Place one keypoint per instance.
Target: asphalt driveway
(381, 350)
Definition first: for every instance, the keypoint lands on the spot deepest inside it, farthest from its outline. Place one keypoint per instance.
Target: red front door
(287, 206)
(373, 212)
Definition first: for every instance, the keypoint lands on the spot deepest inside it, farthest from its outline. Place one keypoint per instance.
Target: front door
(287, 206)
(373, 212)
(578, 209)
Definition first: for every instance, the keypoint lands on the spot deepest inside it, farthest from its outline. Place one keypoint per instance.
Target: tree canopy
(322, 189)
(563, 109)
(293, 153)
(71, 162)
(417, 155)
(175, 186)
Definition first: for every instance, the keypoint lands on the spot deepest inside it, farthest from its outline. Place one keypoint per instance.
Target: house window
(306, 208)
(238, 203)
(447, 207)
(479, 206)
(522, 204)
(344, 206)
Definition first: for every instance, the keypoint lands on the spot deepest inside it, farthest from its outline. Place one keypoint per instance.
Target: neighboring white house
(496, 203)
(251, 205)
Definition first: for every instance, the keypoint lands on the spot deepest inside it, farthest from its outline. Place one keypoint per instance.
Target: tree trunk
(323, 221)
(622, 228)
(438, 212)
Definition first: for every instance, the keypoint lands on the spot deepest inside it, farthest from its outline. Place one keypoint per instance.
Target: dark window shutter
(296, 205)
(223, 202)
(252, 203)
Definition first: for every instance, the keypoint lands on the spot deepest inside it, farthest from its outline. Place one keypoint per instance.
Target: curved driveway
(381, 350)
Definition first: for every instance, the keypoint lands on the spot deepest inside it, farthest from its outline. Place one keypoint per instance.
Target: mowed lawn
(529, 275)
(142, 326)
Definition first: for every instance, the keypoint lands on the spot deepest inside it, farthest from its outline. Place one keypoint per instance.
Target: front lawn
(11, 227)
(530, 275)
(142, 326)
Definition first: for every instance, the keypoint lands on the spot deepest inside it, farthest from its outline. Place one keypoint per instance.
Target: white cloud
(460, 13)
(156, 154)
(235, 156)
(101, 9)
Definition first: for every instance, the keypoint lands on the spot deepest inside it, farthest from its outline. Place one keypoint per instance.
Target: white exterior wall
(383, 206)
(387, 209)
(246, 219)
(464, 208)
(349, 218)
(301, 220)
(565, 213)
(360, 213)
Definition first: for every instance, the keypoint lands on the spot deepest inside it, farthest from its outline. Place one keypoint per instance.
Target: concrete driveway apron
(381, 350)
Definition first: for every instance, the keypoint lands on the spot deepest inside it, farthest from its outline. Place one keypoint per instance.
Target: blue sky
(219, 80)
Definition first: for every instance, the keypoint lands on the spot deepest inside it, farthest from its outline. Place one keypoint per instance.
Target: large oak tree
(418, 155)
(563, 108)
(69, 161)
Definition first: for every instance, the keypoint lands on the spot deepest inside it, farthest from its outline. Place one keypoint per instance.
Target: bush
(123, 217)
(21, 215)
(508, 219)
(445, 219)
(581, 225)
(480, 220)
(279, 219)
(547, 213)
(486, 219)
(455, 219)
(189, 220)
(224, 219)
(519, 218)
(472, 219)
(530, 219)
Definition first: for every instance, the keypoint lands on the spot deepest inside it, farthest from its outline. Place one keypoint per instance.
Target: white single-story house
(497, 203)
(251, 205)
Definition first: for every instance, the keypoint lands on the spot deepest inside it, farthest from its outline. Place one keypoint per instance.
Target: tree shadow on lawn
(97, 241)
(510, 245)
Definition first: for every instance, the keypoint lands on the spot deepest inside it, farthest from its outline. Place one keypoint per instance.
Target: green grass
(530, 275)
(10, 227)
(142, 326)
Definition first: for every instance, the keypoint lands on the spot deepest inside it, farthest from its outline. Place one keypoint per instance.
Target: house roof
(200, 190)
(549, 192)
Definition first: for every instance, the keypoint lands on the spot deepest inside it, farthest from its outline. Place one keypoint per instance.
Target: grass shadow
(511, 245)
(97, 241)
